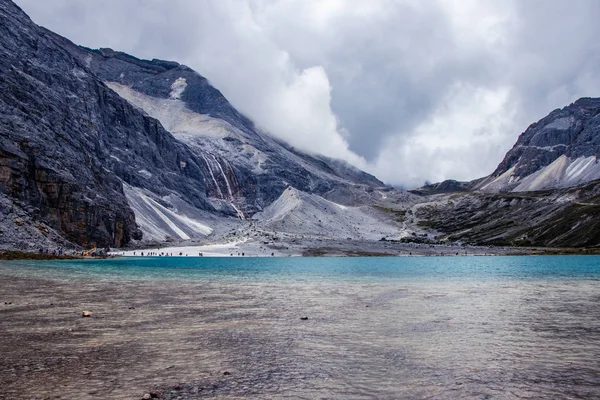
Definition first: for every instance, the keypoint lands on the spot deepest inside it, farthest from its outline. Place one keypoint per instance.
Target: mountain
(447, 186)
(99, 148)
(567, 217)
(546, 191)
(559, 151)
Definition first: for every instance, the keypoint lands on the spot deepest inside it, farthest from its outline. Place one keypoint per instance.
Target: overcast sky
(410, 90)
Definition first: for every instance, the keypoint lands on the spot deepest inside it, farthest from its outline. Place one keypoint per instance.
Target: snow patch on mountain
(145, 173)
(579, 168)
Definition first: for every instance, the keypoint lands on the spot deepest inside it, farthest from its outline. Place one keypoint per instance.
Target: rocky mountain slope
(550, 218)
(99, 148)
(559, 151)
(544, 193)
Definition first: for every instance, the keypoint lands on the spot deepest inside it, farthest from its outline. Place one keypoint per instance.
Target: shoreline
(8, 255)
(337, 249)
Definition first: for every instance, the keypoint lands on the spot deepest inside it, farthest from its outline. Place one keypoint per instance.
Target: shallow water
(342, 269)
(439, 328)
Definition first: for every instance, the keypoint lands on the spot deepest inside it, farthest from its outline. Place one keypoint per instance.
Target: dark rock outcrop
(447, 186)
(67, 142)
(551, 218)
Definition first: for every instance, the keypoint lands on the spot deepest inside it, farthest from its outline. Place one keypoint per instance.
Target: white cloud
(469, 121)
(301, 114)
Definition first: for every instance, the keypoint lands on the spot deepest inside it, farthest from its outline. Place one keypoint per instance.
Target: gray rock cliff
(560, 150)
(84, 153)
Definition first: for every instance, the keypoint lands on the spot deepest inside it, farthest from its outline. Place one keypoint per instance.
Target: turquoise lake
(302, 328)
(325, 268)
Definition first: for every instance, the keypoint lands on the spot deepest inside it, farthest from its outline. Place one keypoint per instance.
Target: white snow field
(177, 88)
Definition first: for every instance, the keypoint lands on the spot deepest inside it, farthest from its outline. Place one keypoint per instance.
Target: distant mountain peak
(560, 150)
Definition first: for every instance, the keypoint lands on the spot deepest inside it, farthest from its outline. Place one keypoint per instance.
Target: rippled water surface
(373, 269)
(439, 328)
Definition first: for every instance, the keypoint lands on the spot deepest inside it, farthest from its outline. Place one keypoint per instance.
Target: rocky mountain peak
(560, 150)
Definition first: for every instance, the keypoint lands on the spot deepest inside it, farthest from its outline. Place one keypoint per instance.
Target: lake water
(342, 269)
(385, 328)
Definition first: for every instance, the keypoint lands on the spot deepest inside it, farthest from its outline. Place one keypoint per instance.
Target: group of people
(165, 254)
(162, 254)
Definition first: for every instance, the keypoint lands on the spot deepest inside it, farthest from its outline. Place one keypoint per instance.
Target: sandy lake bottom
(436, 328)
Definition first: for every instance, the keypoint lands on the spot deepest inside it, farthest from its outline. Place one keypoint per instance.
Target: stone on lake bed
(304, 318)
(87, 314)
